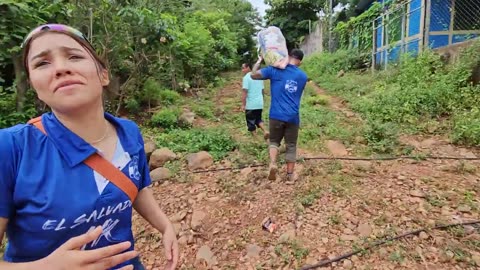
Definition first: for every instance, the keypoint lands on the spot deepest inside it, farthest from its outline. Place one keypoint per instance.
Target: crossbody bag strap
(103, 167)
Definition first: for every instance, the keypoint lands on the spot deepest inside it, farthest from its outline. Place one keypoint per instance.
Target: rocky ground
(335, 207)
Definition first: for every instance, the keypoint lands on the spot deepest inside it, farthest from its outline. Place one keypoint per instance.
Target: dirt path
(335, 207)
(335, 103)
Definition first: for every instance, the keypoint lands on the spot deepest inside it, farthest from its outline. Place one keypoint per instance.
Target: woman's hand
(69, 256)
(171, 247)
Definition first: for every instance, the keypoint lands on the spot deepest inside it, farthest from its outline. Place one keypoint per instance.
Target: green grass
(341, 184)
(397, 256)
(204, 109)
(166, 118)
(291, 251)
(418, 95)
(217, 141)
(308, 196)
(320, 123)
(335, 219)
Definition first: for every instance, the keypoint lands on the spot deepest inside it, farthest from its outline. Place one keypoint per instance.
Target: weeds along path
(420, 144)
(334, 207)
(335, 103)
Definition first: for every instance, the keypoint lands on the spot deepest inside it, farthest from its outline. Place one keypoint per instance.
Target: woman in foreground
(57, 212)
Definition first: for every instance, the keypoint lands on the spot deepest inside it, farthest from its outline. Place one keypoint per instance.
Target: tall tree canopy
(293, 16)
(172, 44)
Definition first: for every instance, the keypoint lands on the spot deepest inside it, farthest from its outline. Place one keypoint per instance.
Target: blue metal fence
(410, 26)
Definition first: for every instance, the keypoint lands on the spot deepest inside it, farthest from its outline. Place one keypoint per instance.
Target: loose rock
(364, 230)
(417, 193)
(186, 119)
(336, 148)
(160, 156)
(253, 251)
(200, 160)
(287, 236)
(197, 219)
(160, 174)
(204, 253)
(149, 147)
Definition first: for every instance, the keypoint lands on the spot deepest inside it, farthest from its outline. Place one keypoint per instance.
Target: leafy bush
(316, 100)
(132, 105)
(381, 137)
(151, 90)
(218, 142)
(320, 122)
(166, 118)
(253, 151)
(466, 128)
(205, 110)
(8, 113)
(357, 31)
(422, 88)
(416, 90)
(321, 64)
(169, 97)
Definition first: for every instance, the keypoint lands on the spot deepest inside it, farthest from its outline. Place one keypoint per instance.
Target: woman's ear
(105, 80)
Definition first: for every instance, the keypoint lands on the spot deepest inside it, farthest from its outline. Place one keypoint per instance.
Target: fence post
(424, 25)
(387, 42)
(330, 28)
(374, 46)
(452, 21)
(403, 31)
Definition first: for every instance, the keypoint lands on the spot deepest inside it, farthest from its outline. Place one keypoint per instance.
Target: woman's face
(64, 74)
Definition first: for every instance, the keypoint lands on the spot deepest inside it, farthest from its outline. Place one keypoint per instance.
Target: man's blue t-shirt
(49, 195)
(286, 87)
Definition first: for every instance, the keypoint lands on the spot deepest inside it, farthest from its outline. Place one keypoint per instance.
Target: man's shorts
(279, 131)
(254, 119)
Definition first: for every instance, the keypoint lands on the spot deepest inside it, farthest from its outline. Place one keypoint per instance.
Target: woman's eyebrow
(63, 48)
(42, 54)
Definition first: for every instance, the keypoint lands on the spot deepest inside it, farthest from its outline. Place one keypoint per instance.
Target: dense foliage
(422, 94)
(150, 46)
(357, 31)
(295, 18)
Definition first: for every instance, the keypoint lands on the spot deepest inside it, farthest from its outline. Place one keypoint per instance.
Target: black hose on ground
(345, 158)
(381, 242)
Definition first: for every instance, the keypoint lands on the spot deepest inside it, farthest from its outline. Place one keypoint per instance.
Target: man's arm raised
(256, 74)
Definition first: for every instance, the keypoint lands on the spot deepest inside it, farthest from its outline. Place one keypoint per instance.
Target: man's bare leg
(272, 170)
(266, 134)
(290, 167)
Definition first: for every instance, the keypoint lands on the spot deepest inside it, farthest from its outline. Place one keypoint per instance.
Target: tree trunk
(21, 82)
(172, 71)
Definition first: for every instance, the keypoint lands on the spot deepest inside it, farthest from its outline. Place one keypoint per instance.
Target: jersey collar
(75, 150)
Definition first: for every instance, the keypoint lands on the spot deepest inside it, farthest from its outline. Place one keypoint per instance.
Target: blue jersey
(286, 87)
(49, 195)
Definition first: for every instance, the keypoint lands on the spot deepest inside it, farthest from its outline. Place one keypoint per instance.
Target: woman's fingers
(81, 240)
(95, 255)
(109, 262)
(175, 254)
(172, 256)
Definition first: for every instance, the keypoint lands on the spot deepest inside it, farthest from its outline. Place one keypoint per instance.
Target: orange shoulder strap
(103, 167)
